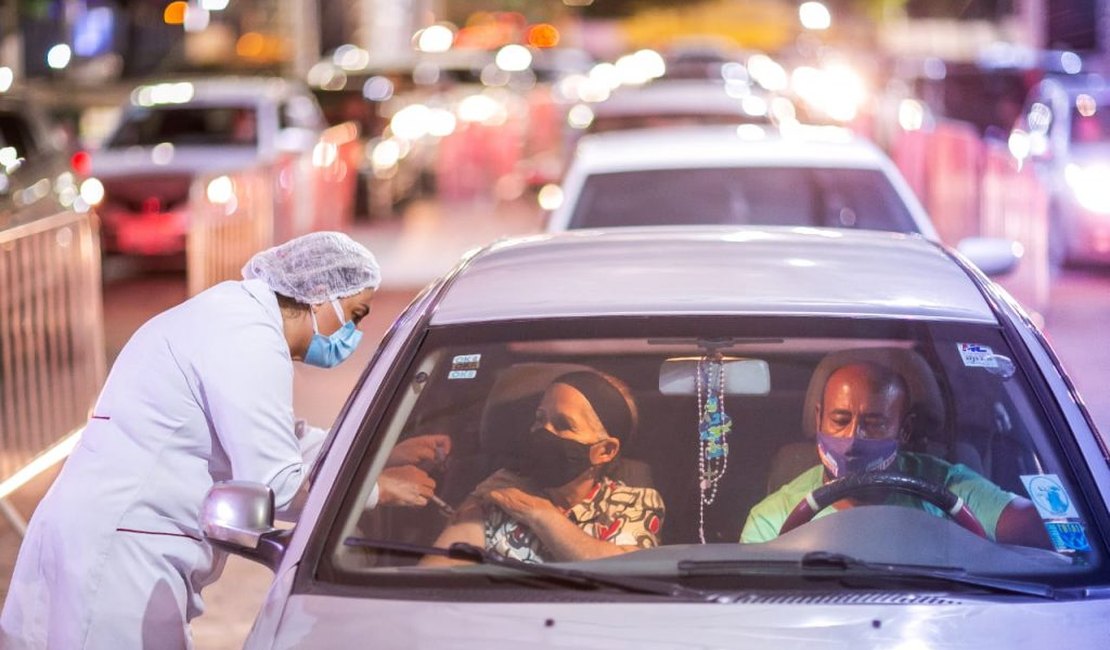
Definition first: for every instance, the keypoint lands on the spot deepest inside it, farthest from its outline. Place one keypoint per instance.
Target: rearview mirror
(295, 140)
(677, 376)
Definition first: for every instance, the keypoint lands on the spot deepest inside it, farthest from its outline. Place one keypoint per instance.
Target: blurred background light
(513, 58)
(435, 38)
(58, 57)
(814, 15)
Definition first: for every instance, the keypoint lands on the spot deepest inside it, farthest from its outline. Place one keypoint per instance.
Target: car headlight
(1089, 185)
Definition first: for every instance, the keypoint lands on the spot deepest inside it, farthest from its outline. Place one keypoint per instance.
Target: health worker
(203, 392)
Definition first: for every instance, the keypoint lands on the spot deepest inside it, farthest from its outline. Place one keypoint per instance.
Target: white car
(747, 175)
(724, 335)
(170, 132)
(1064, 130)
(673, 102)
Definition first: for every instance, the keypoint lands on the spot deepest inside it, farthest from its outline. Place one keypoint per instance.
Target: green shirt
(985, 499)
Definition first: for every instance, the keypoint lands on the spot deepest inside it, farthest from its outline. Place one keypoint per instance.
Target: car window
(786, 196)
(706, 455)
(187, 125)
(604, 123)
(17, 133)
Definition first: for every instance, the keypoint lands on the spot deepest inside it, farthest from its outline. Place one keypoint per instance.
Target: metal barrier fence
(52, 359)
(51, 338)
(234, 215)
(971, 188)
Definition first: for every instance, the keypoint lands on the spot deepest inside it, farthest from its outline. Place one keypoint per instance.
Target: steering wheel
(837, 489)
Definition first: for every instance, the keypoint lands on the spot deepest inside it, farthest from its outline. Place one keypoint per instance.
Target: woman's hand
(512, 494)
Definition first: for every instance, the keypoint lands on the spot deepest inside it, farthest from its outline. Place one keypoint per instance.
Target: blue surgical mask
(330, 351)
(851, 455)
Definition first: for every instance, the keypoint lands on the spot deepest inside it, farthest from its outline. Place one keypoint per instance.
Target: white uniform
(113, 556)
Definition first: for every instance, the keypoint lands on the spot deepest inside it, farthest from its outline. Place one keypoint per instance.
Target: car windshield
(730, 413)
(187, 125)
(781, 196)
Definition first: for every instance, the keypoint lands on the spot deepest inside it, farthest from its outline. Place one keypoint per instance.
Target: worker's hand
(426, 452)
(406, 485)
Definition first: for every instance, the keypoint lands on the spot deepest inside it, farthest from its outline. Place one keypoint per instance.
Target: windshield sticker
(1048, 494)
(1067, 535)
(464, 366)
(977, 356)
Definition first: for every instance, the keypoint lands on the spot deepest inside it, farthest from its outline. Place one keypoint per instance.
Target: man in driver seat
(862, 421)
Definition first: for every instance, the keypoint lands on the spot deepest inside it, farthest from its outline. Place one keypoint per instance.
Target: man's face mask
(330, 351)
(843, 456)
(547, 459)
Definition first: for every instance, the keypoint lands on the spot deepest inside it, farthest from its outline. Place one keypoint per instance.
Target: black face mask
(547, 459)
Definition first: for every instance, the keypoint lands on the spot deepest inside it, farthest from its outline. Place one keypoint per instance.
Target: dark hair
(610, 398)
(289, 306)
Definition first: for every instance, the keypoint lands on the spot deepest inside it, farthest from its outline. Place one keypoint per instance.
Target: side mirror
(238, 517)
(678, 376)
(295, 140)
(993, 255)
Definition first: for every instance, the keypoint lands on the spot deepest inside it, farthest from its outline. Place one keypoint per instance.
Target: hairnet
(316, 268)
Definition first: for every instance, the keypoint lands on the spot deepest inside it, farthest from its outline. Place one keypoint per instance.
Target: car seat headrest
(512, 401)
(924, 399)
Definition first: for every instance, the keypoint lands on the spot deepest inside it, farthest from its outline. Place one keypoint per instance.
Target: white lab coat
(113, 556)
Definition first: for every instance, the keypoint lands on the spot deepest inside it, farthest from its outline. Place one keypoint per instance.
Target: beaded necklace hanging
(714, 426)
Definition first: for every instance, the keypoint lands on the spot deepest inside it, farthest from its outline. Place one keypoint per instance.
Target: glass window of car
(781, 196)
(17, 133)
(187, 125)
(974, 403)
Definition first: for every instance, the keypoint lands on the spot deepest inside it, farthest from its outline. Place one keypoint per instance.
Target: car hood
(852, 620)
(109, 163)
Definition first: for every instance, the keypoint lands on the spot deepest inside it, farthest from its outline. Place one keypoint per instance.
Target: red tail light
(81, 162)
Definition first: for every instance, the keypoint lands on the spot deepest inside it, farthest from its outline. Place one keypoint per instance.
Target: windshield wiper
(478, 555)
(821, 561)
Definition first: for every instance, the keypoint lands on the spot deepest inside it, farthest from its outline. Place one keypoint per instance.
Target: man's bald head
(863, 399)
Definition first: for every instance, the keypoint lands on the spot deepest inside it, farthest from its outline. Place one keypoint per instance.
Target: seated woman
(555, 501)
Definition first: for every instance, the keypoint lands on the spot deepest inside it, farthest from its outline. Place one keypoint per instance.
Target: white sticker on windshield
(466, 361)
(1047, 492)
(977, 356)
(464, 366)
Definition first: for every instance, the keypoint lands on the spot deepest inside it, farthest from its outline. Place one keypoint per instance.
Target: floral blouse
(612, 512)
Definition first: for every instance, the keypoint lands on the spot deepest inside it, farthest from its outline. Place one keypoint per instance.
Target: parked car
(1064, 129)
(36, 179)
(751, 174)
(170, 132)
(721, 335)
(673, 102)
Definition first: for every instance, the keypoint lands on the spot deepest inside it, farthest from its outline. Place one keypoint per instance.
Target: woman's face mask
(548, 460)
(330, 351)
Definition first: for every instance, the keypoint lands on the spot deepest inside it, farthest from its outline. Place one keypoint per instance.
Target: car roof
(672, 97)
(712, 270)
(1074, 85)
(245, 90)
(677, 147)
